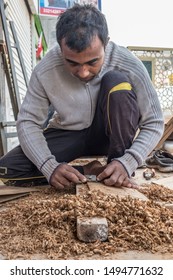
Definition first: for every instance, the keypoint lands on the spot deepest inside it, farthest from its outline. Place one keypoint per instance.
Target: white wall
(33, 6)
(140, 22)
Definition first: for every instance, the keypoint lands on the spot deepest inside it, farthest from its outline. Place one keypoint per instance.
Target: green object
(39, 29)
(148, 65)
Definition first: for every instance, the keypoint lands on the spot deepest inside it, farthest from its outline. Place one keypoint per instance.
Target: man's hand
(64, 176)
(114, 174)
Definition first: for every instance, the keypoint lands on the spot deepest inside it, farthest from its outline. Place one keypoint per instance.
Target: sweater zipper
(89, 94)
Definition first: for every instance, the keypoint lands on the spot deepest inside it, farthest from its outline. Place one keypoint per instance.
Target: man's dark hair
(79, 24)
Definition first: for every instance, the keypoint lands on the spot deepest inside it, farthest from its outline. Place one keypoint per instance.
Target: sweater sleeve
(151, 124)
(31, 118)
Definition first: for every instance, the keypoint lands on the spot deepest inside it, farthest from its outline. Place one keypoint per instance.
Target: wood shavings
(157, 192)
(45, 223)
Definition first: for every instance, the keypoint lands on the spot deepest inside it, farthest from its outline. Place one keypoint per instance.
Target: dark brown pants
(111, 133)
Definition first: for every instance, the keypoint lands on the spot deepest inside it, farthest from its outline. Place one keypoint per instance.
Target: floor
(164, 179)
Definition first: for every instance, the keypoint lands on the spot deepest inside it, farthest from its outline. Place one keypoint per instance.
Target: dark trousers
(111, 133)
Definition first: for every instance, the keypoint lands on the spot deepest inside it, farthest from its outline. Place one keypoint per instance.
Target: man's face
(86, 64)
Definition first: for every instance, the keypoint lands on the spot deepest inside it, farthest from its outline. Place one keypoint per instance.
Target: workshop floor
(164, 179)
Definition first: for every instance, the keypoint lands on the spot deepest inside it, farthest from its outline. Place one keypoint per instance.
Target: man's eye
(92, 63)
(73, 63)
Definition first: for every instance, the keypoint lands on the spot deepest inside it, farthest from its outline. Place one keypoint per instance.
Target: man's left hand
(115, 174)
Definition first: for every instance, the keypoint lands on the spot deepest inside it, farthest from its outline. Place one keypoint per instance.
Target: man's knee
(115, 85)
(118, 100)
(115, 77)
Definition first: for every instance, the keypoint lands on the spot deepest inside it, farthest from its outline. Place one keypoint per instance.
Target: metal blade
(91, 178)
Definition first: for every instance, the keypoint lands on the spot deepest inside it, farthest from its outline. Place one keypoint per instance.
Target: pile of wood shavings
(157, 192)
(45, 223)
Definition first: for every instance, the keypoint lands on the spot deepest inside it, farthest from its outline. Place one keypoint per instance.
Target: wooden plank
(8, 193)
(6, 198)
(168, 131)
(115, 191)
(11, 190)
(166, 182)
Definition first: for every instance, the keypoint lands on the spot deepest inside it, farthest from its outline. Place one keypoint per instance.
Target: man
(102, 95)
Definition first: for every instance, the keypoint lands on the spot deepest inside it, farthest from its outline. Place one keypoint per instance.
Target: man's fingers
(65, 175)
(113, 175)
(57, 185)
(73, 175)
(116, 181)
(128, 183)
(105, 174)
(112, 181)
(64, 181)
(120, 182)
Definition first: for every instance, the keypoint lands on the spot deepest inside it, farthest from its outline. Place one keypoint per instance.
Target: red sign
(50, 11)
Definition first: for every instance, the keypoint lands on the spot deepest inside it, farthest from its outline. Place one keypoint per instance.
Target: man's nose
(83, 71)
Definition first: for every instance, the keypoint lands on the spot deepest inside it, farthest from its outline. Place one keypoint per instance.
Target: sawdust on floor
(45, 223)
(39, 227)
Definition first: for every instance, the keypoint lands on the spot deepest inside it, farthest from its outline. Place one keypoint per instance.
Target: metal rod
(17, 45)
(10, 55)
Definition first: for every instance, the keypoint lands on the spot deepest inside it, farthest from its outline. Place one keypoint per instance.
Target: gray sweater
(75, 103)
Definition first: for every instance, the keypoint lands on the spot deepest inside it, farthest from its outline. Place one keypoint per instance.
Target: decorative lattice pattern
(159, 63)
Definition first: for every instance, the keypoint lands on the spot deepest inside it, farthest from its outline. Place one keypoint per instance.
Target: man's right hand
(64, 176)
